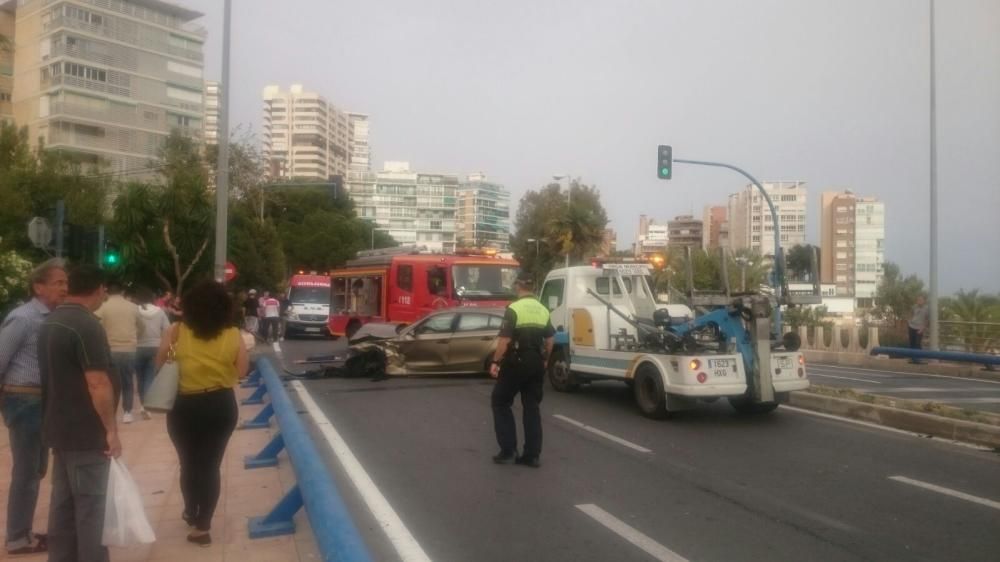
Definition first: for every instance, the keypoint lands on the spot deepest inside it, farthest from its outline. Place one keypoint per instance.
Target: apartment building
(713, 219)
(108, 80)
(360, 157)
(304, 136)
(211, 119)
(413, 208)
(483, 216)
(685, 231)
(7, 19)
(852, 245)
(750, 224)
(655, 239)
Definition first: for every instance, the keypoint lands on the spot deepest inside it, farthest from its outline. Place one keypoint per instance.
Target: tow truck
(611, 325)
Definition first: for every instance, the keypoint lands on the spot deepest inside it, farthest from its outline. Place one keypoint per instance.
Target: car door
(473, 341)
(424, 346)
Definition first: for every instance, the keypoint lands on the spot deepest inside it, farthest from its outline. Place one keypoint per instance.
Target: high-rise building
(852, 245)
(413, 208)
(483, 218)
(712, 221)
(750, 224)
(684, 231)
(655, 239)
(7, 18)
(360, 158)
(108, 79)
(304, 136)
(211, 121)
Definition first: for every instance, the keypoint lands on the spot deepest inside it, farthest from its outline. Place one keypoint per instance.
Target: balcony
(92, 85)
(138, 39)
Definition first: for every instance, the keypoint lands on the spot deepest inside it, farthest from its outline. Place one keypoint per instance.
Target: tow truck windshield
(310, 295)
(484, 282)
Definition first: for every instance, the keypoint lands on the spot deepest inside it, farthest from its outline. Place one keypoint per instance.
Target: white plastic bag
(125, 520)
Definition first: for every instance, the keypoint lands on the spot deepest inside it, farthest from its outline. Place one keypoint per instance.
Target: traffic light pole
(222, 179)
(778, 280)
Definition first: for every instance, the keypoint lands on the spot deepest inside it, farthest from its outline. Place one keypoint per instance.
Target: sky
(831, 92)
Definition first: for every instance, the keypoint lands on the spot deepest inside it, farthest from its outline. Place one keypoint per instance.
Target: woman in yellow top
(211, 358)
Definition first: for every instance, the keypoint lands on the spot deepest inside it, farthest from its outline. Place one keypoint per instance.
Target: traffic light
(665, 162)
(112, 256)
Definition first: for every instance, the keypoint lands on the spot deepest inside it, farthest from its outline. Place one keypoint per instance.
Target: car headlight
(292, 315)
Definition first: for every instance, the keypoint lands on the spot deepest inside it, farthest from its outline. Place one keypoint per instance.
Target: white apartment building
(412, 207)
(211, 120)
(107, 79)
(750, 224)
(852, 244)
(361, 152)
(869, 249)
(483, 219)
(654, 241)
(304, 136)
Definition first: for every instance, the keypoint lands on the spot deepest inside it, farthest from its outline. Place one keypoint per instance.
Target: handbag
(162, 392)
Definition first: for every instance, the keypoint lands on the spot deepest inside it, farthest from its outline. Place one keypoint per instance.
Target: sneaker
(127, 418)
(504, 458)
(145, 415)
(533, 462)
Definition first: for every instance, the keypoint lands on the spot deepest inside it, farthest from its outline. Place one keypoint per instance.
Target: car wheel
(560, 376)
(648, 392)
(746, 406)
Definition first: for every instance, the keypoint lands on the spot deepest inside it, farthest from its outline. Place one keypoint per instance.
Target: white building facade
(869, 249)
(483, 218)
(304, 136)
(750, 223)
(360, 158)
(211, 120)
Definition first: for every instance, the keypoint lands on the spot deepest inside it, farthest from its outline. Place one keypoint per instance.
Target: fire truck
(401, 285)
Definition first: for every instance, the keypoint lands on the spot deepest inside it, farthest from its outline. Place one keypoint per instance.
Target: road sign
(229, 271)
(40, 232)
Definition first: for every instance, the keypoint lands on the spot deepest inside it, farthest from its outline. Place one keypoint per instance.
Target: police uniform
(522, 370)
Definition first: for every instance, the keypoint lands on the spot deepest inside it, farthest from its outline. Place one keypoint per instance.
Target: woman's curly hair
(207, 309)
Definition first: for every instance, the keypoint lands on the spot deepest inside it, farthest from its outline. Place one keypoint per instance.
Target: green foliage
(971, 321)
(14, 270)
(707, 271)
(543, 216)
(256, 248)
(798, 262)
(808, 316)
(896, 295)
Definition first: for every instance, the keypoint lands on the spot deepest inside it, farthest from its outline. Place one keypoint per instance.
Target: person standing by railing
(211, 358)
(919, 318)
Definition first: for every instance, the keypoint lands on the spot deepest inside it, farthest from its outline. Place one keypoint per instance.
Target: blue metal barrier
(984, 359)
(335, 532)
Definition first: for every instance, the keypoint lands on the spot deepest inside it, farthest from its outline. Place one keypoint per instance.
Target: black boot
(504, 458)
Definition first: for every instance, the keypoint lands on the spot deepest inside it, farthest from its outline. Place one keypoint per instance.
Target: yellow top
(207, 364)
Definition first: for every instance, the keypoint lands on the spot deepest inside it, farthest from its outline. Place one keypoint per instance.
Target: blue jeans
(76, 509)
(22, 413)
(123, 362)
(145, 369)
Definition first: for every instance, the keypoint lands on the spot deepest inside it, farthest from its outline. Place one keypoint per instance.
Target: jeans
(76, 513)
(270, 328)
(123, 362)
(200, 426)
(145, 369)
(22, 413)
(524, 377)
(915, 337)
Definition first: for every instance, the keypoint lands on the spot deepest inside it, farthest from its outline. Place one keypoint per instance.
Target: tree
(165, 230)
(14, 270)
(255, 246)
(809, 316)
(798, 262)
(896, 295)
(973, 321)
(555, 229)
(707, 271)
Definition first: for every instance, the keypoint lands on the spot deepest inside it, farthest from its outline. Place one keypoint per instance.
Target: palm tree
(973, 320)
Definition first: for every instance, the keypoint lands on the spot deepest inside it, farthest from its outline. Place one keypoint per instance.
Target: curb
(847, 360)
(916, 422)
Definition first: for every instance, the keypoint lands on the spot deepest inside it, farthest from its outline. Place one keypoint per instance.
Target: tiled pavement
(151, 459)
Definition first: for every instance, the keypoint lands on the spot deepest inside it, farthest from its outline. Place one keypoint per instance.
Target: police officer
(524, 345)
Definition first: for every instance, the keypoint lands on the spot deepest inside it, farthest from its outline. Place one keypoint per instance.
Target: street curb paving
(916, 422)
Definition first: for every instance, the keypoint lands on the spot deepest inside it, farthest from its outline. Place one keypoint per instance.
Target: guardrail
(990, 362)
(336, 534)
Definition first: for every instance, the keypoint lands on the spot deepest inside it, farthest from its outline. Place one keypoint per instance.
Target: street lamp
(569, 222)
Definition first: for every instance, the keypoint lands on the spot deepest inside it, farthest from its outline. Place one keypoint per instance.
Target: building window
(86, 72)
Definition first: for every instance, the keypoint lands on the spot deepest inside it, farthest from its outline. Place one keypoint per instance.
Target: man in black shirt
(250, 319)
(79, 393)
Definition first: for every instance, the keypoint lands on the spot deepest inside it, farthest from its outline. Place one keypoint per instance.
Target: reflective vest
(529, 328)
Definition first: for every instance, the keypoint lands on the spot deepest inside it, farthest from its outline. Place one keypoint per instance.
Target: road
(708, 485)
(975, 394)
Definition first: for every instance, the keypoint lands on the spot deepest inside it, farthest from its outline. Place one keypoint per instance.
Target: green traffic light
(664, 171)
(111, 259)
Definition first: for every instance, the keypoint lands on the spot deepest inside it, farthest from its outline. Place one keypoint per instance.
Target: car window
(495, 322)
(439, 324)
(605, 284)
(476, 322)
(552, 294)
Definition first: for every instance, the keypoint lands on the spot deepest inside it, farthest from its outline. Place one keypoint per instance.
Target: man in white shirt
(272, 315)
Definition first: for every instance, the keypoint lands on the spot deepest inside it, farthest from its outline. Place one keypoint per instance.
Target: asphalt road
(975, 394)
(707, 485)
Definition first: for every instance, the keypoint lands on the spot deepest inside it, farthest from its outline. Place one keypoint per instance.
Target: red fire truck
(402, 285)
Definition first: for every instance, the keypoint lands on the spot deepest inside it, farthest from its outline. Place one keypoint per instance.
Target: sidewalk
(151, 459)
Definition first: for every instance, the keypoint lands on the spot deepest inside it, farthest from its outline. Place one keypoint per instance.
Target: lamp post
(569, 222)
(933, 296)
(743, 262)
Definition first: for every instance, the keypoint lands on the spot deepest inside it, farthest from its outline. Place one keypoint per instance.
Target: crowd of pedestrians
(264, 315)
(78, 357)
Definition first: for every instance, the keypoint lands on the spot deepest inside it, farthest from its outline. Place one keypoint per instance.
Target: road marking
(404, 543)
(622, 529)
(814, 374)
(988, 381)
(969, 400)
(603, 434)
(947, 491)
(871, 425)
(930, 389)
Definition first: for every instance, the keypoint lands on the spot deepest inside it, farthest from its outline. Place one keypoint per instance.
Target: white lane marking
(988, 381)
(947, 491)
(815, 374)
(881, 427)
(930, 389)
(404, 543)
(603, 434)
(622, 529)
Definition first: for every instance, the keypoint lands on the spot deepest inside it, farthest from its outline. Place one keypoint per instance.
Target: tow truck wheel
(649, 395)
(560, 376)
(744, 405)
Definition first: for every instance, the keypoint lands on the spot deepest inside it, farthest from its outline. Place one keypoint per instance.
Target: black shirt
(250, 306)
(71, 341)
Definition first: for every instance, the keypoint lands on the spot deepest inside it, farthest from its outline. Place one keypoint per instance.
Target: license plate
(719, 363)
(312, 330)
(784, 362)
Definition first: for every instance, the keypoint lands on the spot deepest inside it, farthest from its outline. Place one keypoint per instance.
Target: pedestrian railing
(336, 534)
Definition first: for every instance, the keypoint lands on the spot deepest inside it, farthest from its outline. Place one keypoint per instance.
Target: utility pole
(222, 179)
(933, 300)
